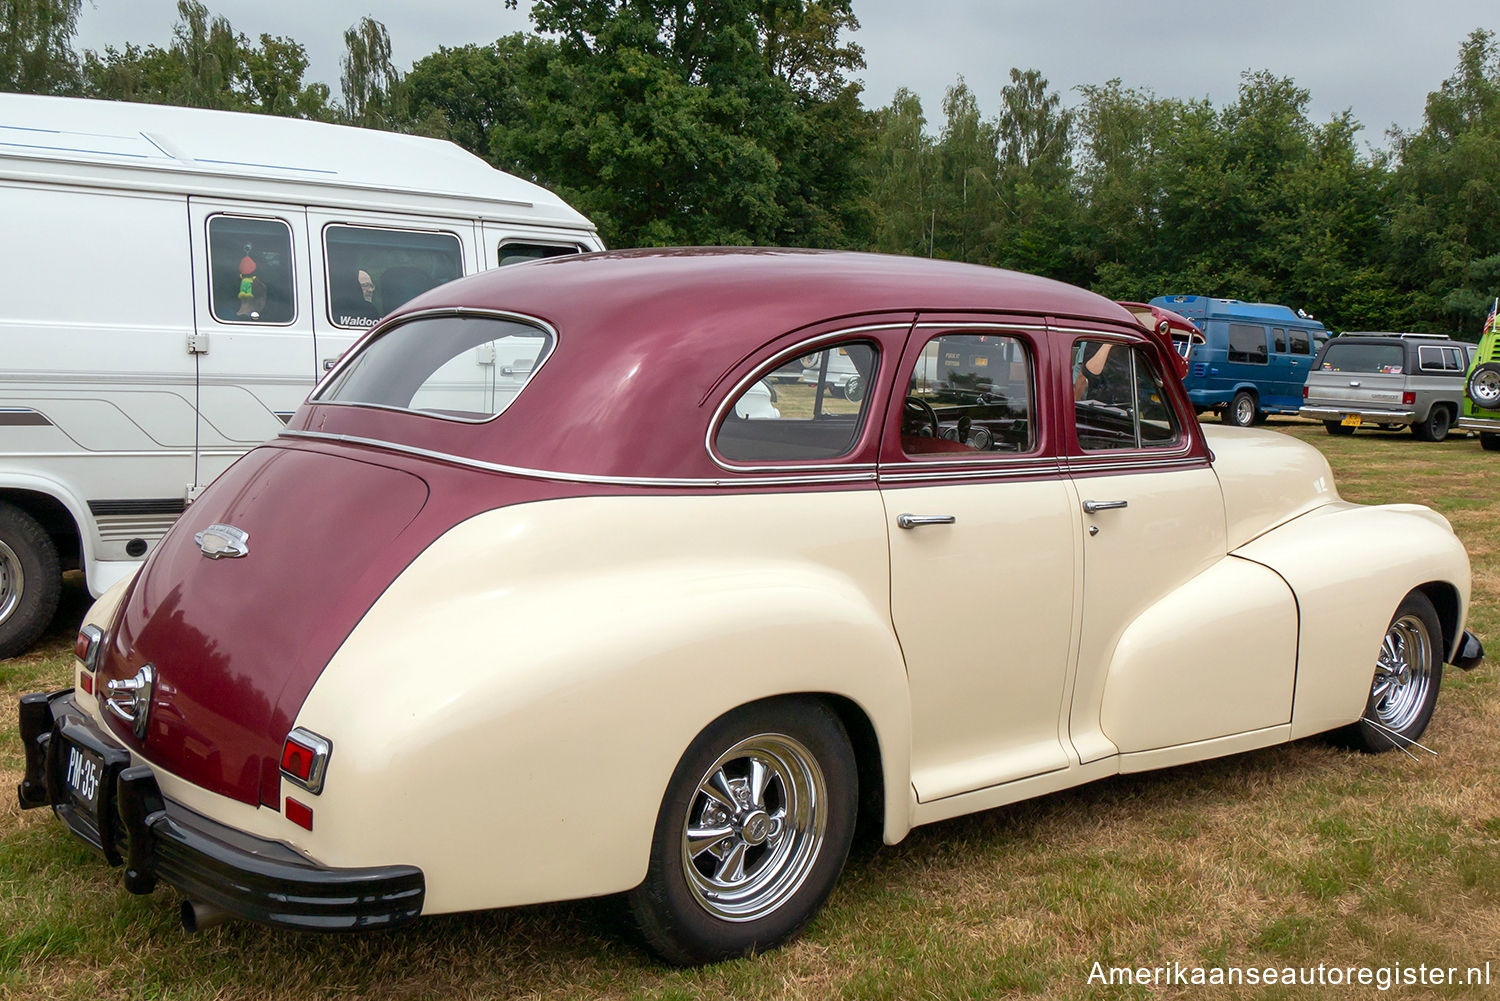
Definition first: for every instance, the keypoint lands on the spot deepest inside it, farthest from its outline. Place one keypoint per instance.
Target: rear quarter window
(1247, 343)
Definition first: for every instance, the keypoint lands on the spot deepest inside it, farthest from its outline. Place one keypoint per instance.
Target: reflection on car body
(696, 633)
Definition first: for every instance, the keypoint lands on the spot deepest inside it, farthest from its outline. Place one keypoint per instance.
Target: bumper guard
(157, 839)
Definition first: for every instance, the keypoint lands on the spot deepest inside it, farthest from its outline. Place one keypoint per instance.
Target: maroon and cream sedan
(548, 592)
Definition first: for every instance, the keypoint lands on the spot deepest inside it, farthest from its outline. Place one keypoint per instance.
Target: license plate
(1351, 421)
(83, 773)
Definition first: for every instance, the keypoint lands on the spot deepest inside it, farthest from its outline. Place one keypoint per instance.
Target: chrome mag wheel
(12, 581)
(1403, 673)
(755, 826)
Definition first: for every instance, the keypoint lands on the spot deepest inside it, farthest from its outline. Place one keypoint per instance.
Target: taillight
(1304, 392)
(1407, 399)
(304, 759)
(88, 648)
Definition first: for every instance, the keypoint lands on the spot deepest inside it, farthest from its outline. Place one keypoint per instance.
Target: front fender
(508, 714)
(1350, 566)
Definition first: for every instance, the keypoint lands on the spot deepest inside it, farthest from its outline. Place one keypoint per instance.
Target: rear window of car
(1374, 358)
(466, 368)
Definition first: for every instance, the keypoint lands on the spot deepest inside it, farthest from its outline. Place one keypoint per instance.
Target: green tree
(36, 46)
(1034, 185)
(369, 81)
(902, 167)
(1445, 225)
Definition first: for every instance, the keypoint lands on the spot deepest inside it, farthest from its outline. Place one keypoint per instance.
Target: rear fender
(508, 714)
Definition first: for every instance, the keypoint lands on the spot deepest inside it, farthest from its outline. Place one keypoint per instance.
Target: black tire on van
(1241, 411)
(30, 580)
(1435, 427)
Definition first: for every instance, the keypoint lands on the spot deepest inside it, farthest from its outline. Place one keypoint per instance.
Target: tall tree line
(739, 122)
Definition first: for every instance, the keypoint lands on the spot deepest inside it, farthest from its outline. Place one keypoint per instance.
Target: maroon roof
(644, 334)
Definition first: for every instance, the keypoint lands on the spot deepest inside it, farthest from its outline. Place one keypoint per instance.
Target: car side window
(1299, 342)
(969, 393)
(1119, 400)
(372, 271)
(250, 270)
(518, 252)
(811, 407)
(1247, 343)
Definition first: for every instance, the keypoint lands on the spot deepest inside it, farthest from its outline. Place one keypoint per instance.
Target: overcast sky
(1379, 58)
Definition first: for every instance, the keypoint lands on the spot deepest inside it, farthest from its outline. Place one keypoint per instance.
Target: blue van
(1254, 360)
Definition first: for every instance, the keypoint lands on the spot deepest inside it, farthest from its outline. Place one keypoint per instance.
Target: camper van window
(1299, 342)
(1247, 343)
(1278, 337)
(250, 270)
(373, 271)
(520, 253)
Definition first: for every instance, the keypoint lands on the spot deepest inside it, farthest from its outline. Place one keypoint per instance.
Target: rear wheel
(752, 833)
(1334, 427)
(30, 580)
(1241, 411)
(1435, 427)
(1489, 441)
(1408, 672)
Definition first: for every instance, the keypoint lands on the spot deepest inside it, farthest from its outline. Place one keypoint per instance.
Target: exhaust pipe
(196, 915)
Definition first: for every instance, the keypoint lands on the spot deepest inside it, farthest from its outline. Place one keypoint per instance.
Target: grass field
(1291, 856)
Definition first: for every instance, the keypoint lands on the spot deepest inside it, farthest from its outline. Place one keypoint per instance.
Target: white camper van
(174, 281)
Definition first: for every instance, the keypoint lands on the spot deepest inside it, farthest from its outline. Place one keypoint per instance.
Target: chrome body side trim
(862, 474)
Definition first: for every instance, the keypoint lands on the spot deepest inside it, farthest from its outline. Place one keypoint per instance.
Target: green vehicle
(1482, 389)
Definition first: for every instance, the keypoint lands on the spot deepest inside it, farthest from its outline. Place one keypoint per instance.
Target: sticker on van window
(1391, 369)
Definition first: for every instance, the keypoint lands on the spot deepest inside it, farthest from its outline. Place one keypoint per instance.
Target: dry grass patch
(1293, 855)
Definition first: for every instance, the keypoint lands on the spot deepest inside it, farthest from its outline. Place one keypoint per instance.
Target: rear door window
(1118, 399)
(1247, 343)
(250, 270)
(373, 271)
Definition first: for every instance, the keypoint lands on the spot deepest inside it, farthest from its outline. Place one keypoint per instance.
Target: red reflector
(297, 759)
(86, 682)
(81, 646)
(1407, 399)
(298, 814)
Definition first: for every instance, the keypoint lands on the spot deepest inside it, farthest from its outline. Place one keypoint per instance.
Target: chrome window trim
(384, 328)
(1050, 468)
(208, 258)
(328, 292)
(777, 360)
(862, 473)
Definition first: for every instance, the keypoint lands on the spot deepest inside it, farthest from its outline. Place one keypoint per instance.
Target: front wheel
(1242, 410)
(752, 833)
(1408, 672)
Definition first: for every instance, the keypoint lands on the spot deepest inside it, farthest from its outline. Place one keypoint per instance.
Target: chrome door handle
(1092, 507)
(918, 520)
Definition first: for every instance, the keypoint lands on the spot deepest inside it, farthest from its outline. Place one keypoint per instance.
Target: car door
(984, 556)
(253, 342)
(1178, 642)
